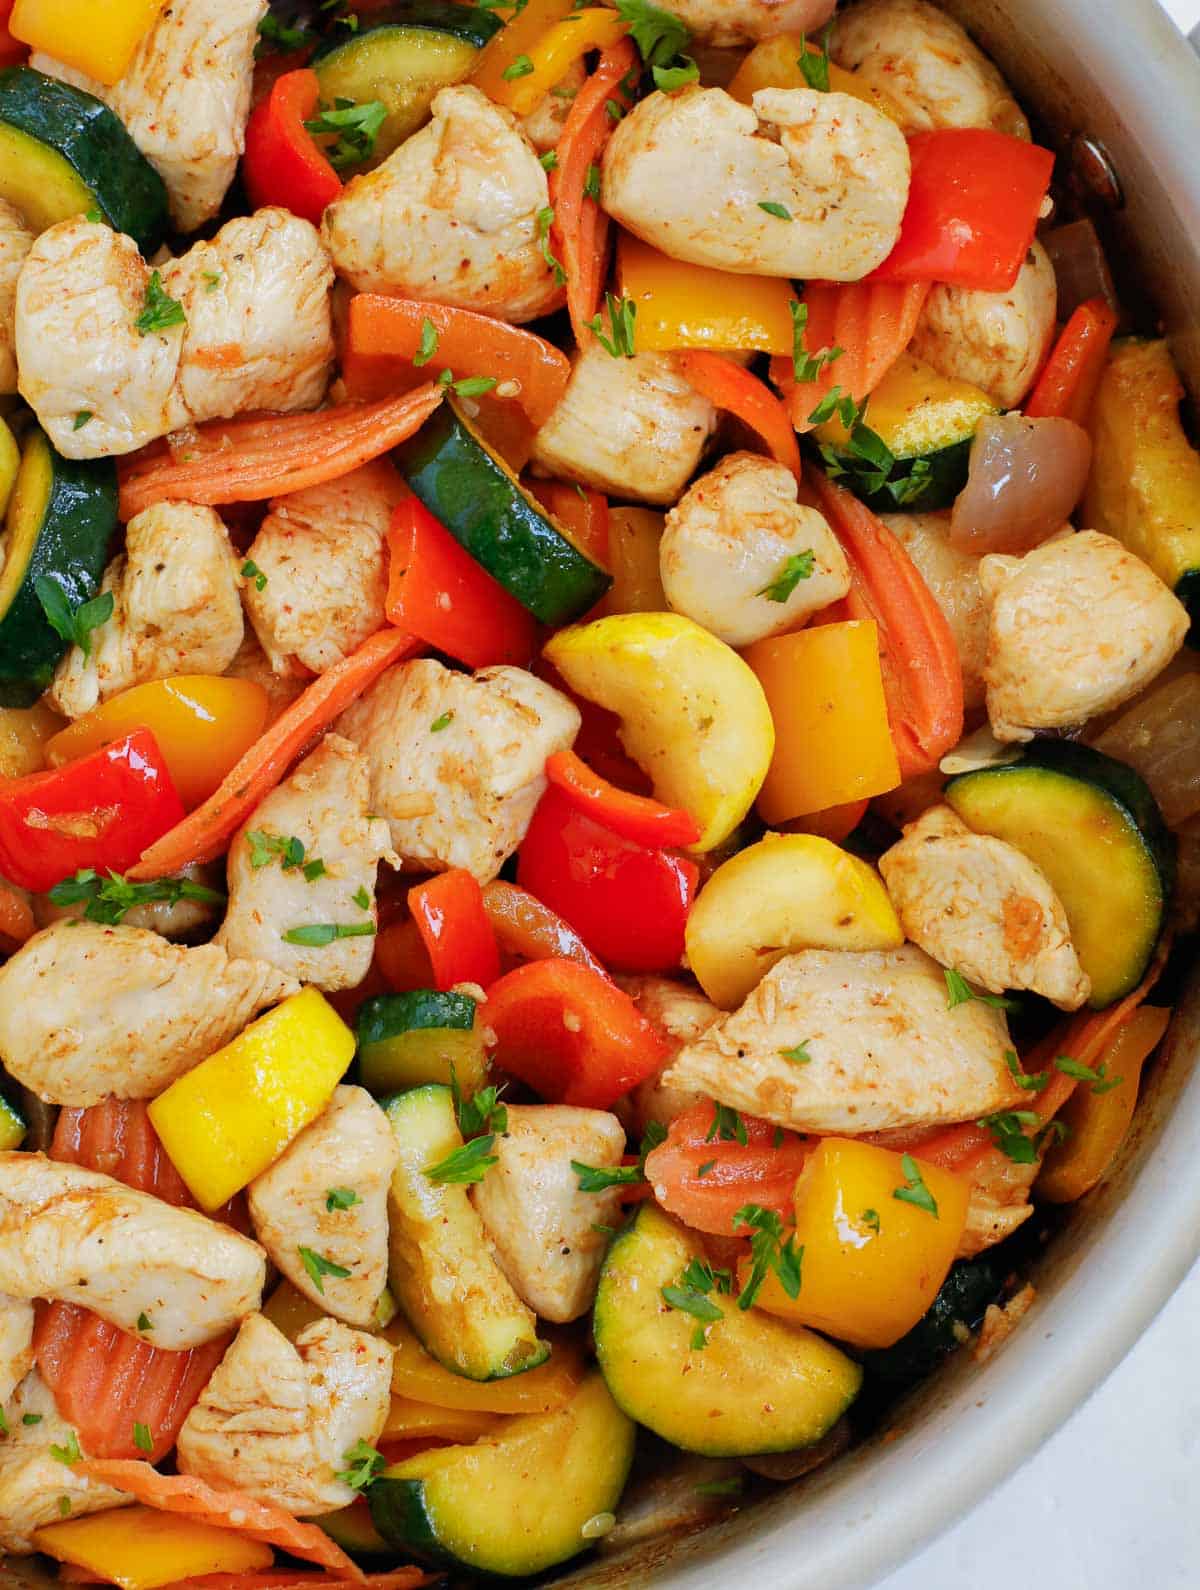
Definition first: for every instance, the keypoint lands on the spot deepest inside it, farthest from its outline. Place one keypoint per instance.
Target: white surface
(1185, 12)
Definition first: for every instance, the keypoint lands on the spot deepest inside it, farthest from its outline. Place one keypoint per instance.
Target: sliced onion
(1026, 477)
(1080, 267)
(1159, 736)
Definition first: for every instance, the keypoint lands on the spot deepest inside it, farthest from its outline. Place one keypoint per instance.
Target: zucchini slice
(1095, 830)
(517, 1502)
(13, 1125)
(477, 497)
(61, 518)
(442, 1272)
(758, 1386)
(960, 1305)
(402, 61)
(405, 1040)
(926, 423)
(63, 153)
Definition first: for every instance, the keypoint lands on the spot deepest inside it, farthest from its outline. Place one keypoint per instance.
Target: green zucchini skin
(470, 23)
(388, 1015)
(469, 490)
(78, 129)
(960, 1304)
(410, 1040)
(66, 537)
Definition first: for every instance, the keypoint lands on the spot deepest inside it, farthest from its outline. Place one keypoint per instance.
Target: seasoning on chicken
(743, 558)
(922, 61)
(252, 663)
(276, 1420)
(631, 427)
(999, 1201)
(33, 1482)
(680, 1014)
(998, 341)
(458, 214)
(71, 1233)
(307, 856)
(321, 569)
(541, 1225)
(87, 1010)
(952, 575)
(1076, 627)
(16, 1344)
(92, 338)
(176, 609)
(457, 759)
(327, 1194)
(980, 906)
(725, 23)
(15, 242)
(185, 98)
(690, 172)
(884, 1048)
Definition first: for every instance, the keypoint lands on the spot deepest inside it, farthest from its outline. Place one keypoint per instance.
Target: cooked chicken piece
(541, 1225)
(176, 609)
(457, 759)
(544, 124)
(689, 173)
(16, 1344)
(996, 340)
(1075, 628)
(320, 557)
(926, 66)
(727, 23)
(999, 1202)
(885, 1050)
(276, 1420)
(185, 98)
(743, 558)
(345, 1158)
(953, 578)
(978, 905)
(257, 334)
(632, 427)
(452, 216)
(87, 1011)
(253, 663)
(324, 805)
(15, 242)
(680, 1014)
(68, 1232)
(32, 1480)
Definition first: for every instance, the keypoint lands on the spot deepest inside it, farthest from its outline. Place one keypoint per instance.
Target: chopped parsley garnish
(72, 624)
(780, 211)
(429, 342)
(212, 280)
(689, 1301)
(549, 161)
(799, 1056)
(1007, 1130)
(591, 186)
(363, 1464)
(614, 109)
(142, 1438)
(69, 1453)
(807, 366)
(356, 128)
(251, 571)
(318, 1267)
(144, 1322)
(727, 1125)
(160, 311)
(1098, 1076)
(64, 1507)
(670, 79)
(1033, 1084)
(313, 870)
(704, 1169)
(94, 216)
(31, 1418)
(622, 317)
(870, 1219)
(315, 935)
(361, 898)
(659, 35)
(340, 1198)
(469, 385)
(521, 67)
(275, 37)
(110, 899)
(81, 419)
(914, 1190)
(704, 1278)
(731, 1486)
(815, 63)
(689, 1296)
(264, 847)
(3, 1423)
(840, 403)
(545, 220)
(442, 722)
(796, 568)
(483, 1112)
(960, 992)
(465, 1165)
(599, 1178)
(768, 1251)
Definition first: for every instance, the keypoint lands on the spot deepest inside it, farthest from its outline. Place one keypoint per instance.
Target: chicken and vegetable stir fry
(598, 761)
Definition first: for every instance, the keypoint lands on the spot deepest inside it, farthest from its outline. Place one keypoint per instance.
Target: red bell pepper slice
(628, 903)
(636, 817)
(572, 1035)
(527, 930)
(437, 591)
(99, 812)
(283, 164)
(449, 914)
(12, 50)
(762, 1170)
(973, 204)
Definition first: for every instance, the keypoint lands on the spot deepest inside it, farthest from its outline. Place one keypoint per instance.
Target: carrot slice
(205, 833)
(1067, 385)
(579, 232)
(743, 395)
(259, 456)
(226, 1509)
(871, 322)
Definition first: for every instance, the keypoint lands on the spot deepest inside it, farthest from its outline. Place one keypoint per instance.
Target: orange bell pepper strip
(381, 328)
(705, 1171)
(98, 41)
(283, 164)
(438, 592)
(581, 512)
(636, 817)
(553, 54)
(205, 833)
(1067, 385)
(530, 931)
(518, 37)
(260, 456)
(729, 387)
(458, 937)
(579, 232)
(922, 675)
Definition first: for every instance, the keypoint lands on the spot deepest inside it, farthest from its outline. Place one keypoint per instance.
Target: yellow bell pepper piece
(10, 463)
(692, 306)
(872, 1262)
(1097, 1122)
(513, 45)
(551, 56)
(98, 40)
(417, 1377)
(411, 1421)
(291, 1312)
(24, 733)
(633, 539)
(224, 1122)
(775, 63)
(140, 1548)
(832, 741)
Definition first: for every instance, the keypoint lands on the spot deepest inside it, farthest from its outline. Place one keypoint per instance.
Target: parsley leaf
(960, 992)
(1033, 1084)
(780, 211)
(768, 1251)
(340, 1198)
(72, 624)
(160, 311)
(64, 1507)
(356, 128)
(442, 722)
(142, 1438)
(318, 1267)
(670, 79)
(732, 1486)
(313, 870)
(144, 1322)
(251, 571)
(700, 1275)
(275, 37)
(81, 419)
(796, 568)
(727, 1125)
(591, 186)
(363, 1464)
(840, 403)
(474, 385)
(658, 34)
(212, 280)
(31, 1418)
(689, 1301)
(522, 66)
(622, 315)
(799, 1056)
(429, 342)
(1098, 1076)
(807, 366)
(545, 220)
(815, 63)
(3, 1423)
(264, 847)
(549, 161)
(315, 935)
(704, 1169)
(483, 1112)
(1006, 1128)
(68, 1453)
(465, 1165)
(914, 1190)
(870, 1219)
(599, 1178)
(361, 898)
(110, 899)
